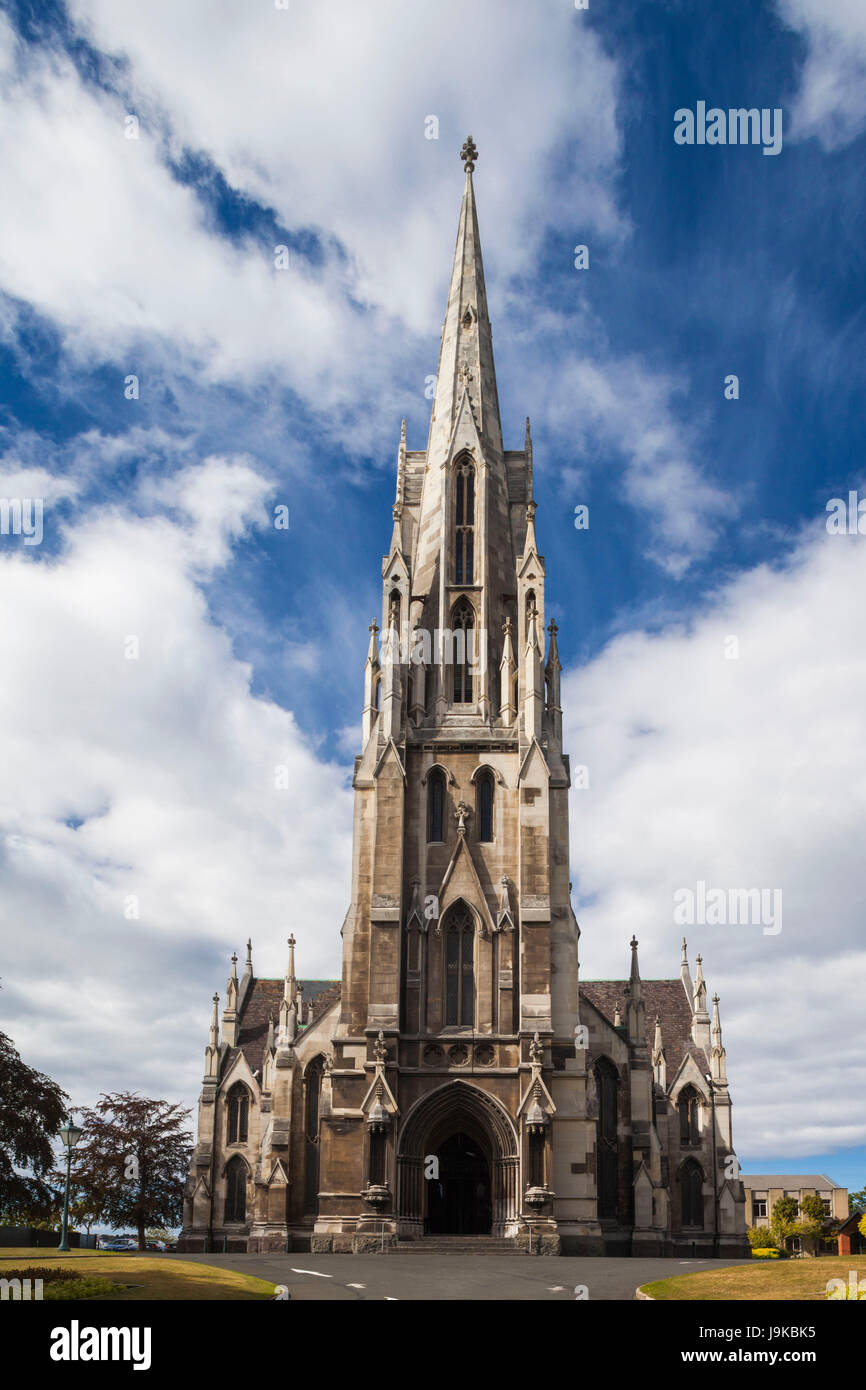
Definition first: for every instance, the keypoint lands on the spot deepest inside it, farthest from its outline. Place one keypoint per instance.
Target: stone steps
(462, 1245)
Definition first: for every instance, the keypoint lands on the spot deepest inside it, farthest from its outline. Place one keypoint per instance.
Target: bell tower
(460, 944)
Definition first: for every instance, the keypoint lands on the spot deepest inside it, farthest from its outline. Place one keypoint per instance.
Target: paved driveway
(462, 1277)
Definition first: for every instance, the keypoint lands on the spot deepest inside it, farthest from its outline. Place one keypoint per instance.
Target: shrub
(49, 1274)
(766, 1253)
(758, 1237)
(90, 1287)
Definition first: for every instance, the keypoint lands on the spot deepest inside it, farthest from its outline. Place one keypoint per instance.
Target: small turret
(507, 668)
(288, 1025)
(717, 1052)
(533, 700)
(247, 977)
(636, 1008)
(230, 1014)
(212, 1051)
(552, 674)
(658, 1056)
(371, 685)
(700, 1017)
(685, 975)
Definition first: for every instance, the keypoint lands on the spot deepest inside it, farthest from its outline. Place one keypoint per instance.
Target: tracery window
(312, 1092)
(238, 1114)
(464, 522)
(689, 1108)
(463, 632)
(460, 968)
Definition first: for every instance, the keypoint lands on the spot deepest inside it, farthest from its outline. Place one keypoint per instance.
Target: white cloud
(320, 112)
(126, 261)
(151, 778)
(741, 773)
(602, 405)
(831, 102)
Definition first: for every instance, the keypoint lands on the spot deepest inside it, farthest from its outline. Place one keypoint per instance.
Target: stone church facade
(459, 1080)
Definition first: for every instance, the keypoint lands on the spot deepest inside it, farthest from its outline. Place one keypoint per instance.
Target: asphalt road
(460, 1277)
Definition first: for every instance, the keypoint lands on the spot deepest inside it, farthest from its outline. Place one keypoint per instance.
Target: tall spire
(466, 355)
(465, 427)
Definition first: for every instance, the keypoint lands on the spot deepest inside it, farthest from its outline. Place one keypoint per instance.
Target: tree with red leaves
(132, 1161)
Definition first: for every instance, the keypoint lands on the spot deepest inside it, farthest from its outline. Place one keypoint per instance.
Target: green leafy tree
(84, 1209)
(132, 1161)
(85, 1202)
(783, 1220)
(813, 1226)
(857, 1201)
(32, 1109)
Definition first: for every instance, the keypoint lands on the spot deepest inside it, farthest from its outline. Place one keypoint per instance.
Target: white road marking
(391, 1300)
(356, 1286)
(555, 1288)
(318, 1273)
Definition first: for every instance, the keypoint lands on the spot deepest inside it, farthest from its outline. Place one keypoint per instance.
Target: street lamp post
(709, 1081)
(70, 1135)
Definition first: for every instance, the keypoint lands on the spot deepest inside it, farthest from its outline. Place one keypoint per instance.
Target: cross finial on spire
(469, 154)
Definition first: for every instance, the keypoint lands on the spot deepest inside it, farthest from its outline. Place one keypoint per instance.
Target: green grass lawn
(138, 1278)
(798, 1280)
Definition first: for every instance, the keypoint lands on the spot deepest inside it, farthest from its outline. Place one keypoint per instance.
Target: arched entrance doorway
(458, 1201)
(472, 1136)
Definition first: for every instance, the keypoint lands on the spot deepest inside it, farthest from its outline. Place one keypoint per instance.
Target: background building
(763, 1190)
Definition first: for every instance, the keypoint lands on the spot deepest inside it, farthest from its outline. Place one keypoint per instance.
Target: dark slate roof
(263, 1003)
(668, 999)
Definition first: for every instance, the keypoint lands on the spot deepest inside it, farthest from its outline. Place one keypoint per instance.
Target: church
(460, 1087)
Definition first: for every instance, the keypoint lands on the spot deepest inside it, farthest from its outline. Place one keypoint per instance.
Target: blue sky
(154, 256)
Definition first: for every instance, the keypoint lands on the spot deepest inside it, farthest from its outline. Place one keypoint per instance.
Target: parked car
(156, 1245)
(116, 1243)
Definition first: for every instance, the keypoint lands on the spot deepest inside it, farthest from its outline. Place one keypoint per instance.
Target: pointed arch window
(460, 968)
(236, 1189)
(485, 793)
(436, 805)
(607, 1151)
(313, 1089)
(463, 629)
(238, 1114)
(691, 1192)
(689, 1108)
(464, 522)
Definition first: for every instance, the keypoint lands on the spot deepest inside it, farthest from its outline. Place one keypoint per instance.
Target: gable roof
(667, 998)
(262, 1003)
